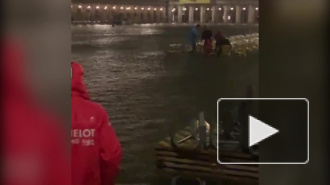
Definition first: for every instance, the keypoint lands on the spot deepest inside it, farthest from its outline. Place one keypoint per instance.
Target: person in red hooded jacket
(95, 149)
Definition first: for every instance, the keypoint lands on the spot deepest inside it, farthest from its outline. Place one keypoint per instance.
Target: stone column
(134, 15)
(151, 15)
(191, 14)
(179, 14)
(251, 14)
(214, 14)
(225, 13)
(170, 13)
(143, 16)
(163, 15)
(202, 16)
(146, 17)
(113, 14)
(238, 14)
(107, 12)
(73, 13)
(159, 15)
(156, 17)
(130, 14)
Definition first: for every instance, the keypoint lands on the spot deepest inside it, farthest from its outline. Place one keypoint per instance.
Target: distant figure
(193, 35)
(207, 37)
(219, 37)
(207, 34)
(208, 47)
(220, 41)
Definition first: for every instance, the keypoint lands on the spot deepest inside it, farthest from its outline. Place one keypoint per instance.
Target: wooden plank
(215, 171)
(186, 161)
(234, 154)
(186, 167)
(191, 174)
(252, 168)
(196, 154)
(184, 155)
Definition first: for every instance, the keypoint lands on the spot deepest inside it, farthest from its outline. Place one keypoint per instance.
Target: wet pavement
(146, 90)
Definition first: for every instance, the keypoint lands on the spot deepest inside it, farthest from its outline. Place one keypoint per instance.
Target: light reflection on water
(146, 91)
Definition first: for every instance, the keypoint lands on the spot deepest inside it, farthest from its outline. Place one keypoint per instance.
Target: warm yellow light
(161, 9)
(229, 17)
(155, 9)
(135, 8)
(231, 8)
(149, 8)
(79, 6)
(244, 8)
(121, 8)
(142, 8)
(97, 7)
(105, 7)
(196, 9)
(219, 8)
(88, 7)
(257, 8)
(208, 9)
(114, 7)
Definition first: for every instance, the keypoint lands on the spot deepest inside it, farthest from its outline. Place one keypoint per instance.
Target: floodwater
(146, 90)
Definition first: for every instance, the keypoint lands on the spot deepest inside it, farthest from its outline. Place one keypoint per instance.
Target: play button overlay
(258, 131)
(263, 131)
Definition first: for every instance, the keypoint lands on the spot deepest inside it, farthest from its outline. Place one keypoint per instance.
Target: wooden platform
(189, 162)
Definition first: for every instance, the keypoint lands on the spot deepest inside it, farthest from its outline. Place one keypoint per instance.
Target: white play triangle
(258, 131)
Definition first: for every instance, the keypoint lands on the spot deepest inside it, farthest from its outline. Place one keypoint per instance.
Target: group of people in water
(207, 36)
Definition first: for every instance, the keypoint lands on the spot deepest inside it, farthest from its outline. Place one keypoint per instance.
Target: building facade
(169, 11)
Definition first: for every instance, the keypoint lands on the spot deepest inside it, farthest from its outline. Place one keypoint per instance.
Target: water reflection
(145, 90)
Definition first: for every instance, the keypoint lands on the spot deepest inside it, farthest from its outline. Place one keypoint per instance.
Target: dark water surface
(146, 90)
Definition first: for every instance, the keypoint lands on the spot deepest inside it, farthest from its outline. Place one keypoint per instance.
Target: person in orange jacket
(95, 149)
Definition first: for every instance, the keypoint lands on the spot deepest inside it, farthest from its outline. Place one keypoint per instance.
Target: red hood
(78, 88)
